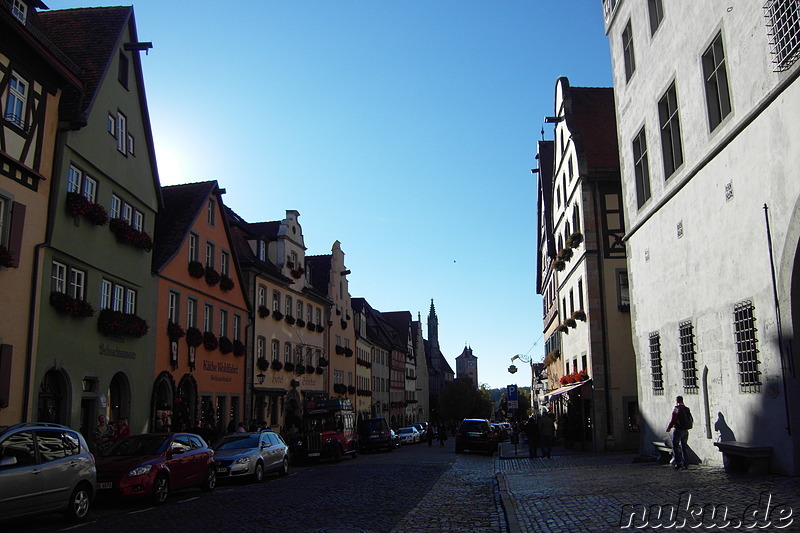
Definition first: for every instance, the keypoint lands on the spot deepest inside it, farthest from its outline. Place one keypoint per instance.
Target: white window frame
(89, 188)
(115, 206)
(237, 326)
(58, 277)
(17, 100)
(118, 298)
(208, 317)
(276, 350)
(262, 251)
(193, 239)
(223, 322)
(172, 306)
(74, 179)
(262, 295)
(210, 251)
(105, 294)
(130, 301)
(77, 283)
(276, 301)
(127, 212)
(289, 305)
(287, 352)
(122, 131)
(191, 313)
(19, 10)
(261, 348)
(224, 263)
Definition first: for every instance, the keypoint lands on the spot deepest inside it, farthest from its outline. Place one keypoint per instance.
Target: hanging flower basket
(126, 234)
(563, 328)
(344, 324)
(226, 283)
(262, 364)
(288, 366)
(559, 264)
(196, 269)
(210, 341)
(194, 337)
(294, 383)
(571, 323)
(263, 312)
(322, 362)
(580, 314)
(238, 348)
(276, 365)
(7, 258)
(67, 305)
(212, 276)
(340, 388)
(339, 350)
(289, 319)
(174, 331)
(225, 345)
(320, 370)
(309, 369)
(565, 254)
(551, 357)
(575, 239)
(277, 315)
(119, 324)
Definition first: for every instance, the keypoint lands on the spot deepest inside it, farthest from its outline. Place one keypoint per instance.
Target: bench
(743, 457)
(664, 452)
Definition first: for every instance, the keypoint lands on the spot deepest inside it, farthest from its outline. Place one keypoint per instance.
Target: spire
(433, 327)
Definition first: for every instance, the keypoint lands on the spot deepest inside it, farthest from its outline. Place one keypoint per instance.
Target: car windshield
(140, 445)
(237, 442)
(473, 425)
(406, 430)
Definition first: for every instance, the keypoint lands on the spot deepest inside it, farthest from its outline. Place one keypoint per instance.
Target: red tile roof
(594, 119)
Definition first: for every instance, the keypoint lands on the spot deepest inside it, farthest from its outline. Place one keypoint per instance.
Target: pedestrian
(429, 435)
(442, 435)
(240, 428)
(123, 429)
(547, 429)
(532, 435)
(682, 422)
(103, 435)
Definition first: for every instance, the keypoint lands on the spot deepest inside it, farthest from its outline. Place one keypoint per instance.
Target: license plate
(222, 470)
(104, 486)
(314, 454)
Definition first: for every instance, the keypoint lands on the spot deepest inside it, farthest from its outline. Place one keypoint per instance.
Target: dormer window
(262, 251)
(20, 10)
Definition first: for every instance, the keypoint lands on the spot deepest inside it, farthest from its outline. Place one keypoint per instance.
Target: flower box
(119, 324)
(212, 276)
(239, 348)
(301, 323)
(320, 370)
(276, 365)
(196, 269)
(174, 331)
(575, 239)
(263, 312)
(210, 341)
(277, 315)
(320, 328)
(299, 369)
(344, 324)
(351, 389)
(262, 364)
(322, 362)
(67, 305)
(559, 264)
(225, 345)
(311, 326)
(7, 259)
(194, 337)
(126, 234)
(226, 283)
(289, 319)
(563, 328)
(348, 352)
(339, 349)
(571, 323)
(309, 369)
(580, 314)
(288, 366)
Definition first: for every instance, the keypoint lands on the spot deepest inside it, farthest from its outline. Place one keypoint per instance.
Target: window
(262, 295)
(138, 220)
(576, 218)
(319, 317)
(580, 295)
(223, 323)
(115, 207)
(623, 294)
(20, 10)
(122, 130)
(172, 306)
(293, 259)
(237, 327)
(261, 346)
(718, 97)
(111, 125)
(288, 305)
(309, 314)
(192, 247)
(262, 251)
(627, 51)
(655, 364)
(210, 210)
(209, 255)
(641, 168)
(224, 263)
(688, 356)
(81, 183)
(276, 349)
(191, 313)
(656, 10)
(76, 283)
(783, 21)
(130, 144)
(276, 301)
(287, 352)
(671, 149)
(127, 213)
(299, 309)
(105, 294)
(122, 75)
(208, 313)
(118, 297)
(130, 301)
(744, 330)
(16, 100)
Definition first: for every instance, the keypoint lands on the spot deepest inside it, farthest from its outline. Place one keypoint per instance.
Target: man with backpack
(682, 421)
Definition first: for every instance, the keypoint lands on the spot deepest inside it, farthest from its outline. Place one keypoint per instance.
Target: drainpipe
(778, 320)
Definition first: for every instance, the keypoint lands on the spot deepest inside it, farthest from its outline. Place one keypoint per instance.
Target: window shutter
(17, 225)
(5, 374)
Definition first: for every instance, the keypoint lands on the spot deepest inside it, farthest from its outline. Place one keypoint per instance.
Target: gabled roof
(242, 232)
(182, 205)
(593, 118)
(90, 37)
(320, 271)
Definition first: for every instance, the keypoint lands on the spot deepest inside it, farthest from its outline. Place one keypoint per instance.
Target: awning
(550, 395)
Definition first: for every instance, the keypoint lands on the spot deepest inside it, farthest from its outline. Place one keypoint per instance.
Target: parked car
(409, 435)
(476, 434)
(251, 454)
(45, 468)
(374, 434)
(501, 432)
(395, 438)
(153, 464)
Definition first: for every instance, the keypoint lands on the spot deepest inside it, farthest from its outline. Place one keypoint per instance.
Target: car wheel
(354, 455)
(337, 454)
(79, 504)
(284, 467)
(160, 489)
(258, 475)
(210, 481)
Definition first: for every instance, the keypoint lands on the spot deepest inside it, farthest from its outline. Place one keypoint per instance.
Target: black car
(373, 434)
(476, 434)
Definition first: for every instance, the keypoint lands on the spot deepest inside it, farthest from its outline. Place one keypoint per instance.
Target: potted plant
(288, 366)
(311, 326)
(210, 341)
(351, 389)
(225, 345)
(563, 328)
(571, 323)
(97, 214)
(276, 365)
(575, 239)
(289, 319)
(238, 348)
(196, 269)
(309, 369)
(263, 312)
(344, 324)
(322, 362)
(301, 323)
(277, 315)
(174, 331)
(559, 264)
(7, 258)
(320, 328)
(565, 254)
(67, 305)
(300, 369)
(212, 276)
(226, 283)
(320, 370)
(194, 337)
(580, 314)
(262, 364)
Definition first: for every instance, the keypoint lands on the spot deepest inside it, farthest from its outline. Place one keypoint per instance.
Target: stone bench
(744, 457)
(664, 452)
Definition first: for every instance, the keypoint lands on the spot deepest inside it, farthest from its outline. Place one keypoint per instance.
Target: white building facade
(707, 106)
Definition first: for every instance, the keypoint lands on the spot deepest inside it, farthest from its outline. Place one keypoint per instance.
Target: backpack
(685, 420)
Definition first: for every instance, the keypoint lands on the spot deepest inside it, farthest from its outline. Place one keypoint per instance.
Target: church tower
(467, 366)
(433, 327)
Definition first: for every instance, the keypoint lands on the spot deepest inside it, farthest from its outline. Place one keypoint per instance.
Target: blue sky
(405, 129)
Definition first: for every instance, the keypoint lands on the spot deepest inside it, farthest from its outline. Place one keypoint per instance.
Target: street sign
(512, 397)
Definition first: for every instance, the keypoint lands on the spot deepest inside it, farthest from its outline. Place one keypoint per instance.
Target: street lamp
(260, 377)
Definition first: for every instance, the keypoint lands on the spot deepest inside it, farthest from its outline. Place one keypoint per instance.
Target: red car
(151, 465)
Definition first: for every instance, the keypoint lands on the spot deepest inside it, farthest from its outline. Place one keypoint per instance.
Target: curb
(509, 507)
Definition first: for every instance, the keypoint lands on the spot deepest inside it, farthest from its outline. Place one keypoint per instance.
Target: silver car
(45, 468)
(251, 454)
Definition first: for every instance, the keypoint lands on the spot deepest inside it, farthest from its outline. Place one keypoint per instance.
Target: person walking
(442, 435)
(547, 430)
(429, 435)
(532, 435)
(103, 435)
(682, 422)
